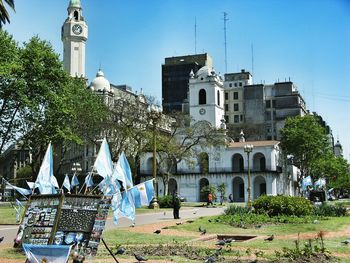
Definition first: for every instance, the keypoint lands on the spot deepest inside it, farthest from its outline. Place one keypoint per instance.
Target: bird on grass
(179, 223)
(202, 230)
(1, 239)
(120, 251)
(210, 259)
(221, 243)
(217, 220)
(346, 241)
(190, 221)
(229, 240)
(157, 231)
(140, 258)
(270, 238)
(209, 220)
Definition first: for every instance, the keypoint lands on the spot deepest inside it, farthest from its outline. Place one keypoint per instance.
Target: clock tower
(74, 35)
(206, 96)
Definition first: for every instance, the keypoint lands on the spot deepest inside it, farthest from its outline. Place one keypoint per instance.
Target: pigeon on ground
(157, 231)
(221, 243)
(346, 241)
(195, 211)
(1, 239)
(139, 258)
(165, 227)
(210, 259)
(229, 240)
(217, 220)
(204, 231)
(120, 251)
(164, 213)
(270, 238)
(179, 223)
(190, 221)
(209, 220)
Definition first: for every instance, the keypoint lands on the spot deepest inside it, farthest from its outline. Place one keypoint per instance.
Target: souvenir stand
(64, 220)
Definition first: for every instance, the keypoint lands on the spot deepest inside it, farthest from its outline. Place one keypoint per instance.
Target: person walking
(176, 205)
(210, 199)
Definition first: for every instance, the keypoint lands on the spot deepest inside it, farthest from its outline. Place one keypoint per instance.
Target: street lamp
(248, 148)
(155, 114)
(76, 169)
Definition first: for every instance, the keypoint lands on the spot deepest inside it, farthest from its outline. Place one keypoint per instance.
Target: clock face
(77, 29)
(202, 111)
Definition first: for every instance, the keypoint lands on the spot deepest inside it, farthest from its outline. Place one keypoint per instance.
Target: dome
(100, 83)
(74, 3)
(204, 71)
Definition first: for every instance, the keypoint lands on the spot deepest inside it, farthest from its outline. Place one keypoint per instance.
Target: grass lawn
(7, 214)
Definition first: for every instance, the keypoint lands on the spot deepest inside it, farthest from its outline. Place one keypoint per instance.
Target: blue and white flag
(45, 180)
(31, 185)
(103, 163)
(88, 180)
(75, 181)
(47, 253)
(127, 207)
(66, 183)
(122, 171)
(143, 193)
(320, 182)
(19, 204)
(307, 181)
(108, 187)
(21, 190)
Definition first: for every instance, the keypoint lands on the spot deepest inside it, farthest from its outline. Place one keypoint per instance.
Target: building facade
(175, 78)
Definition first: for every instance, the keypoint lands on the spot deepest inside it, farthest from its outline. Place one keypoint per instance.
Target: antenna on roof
(195, 35)
(225, 20)
(252, 64)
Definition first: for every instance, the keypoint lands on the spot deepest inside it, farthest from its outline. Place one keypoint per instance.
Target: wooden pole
(110, 252)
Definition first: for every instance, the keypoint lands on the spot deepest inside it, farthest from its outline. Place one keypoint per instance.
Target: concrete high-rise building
(175, 78)
(74, 35)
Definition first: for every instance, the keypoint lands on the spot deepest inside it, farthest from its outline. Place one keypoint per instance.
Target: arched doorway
(237, 163)
(172, 186)
(202, 183)
(238, 189)
(149, 165)
(259, 162)
(259, 187)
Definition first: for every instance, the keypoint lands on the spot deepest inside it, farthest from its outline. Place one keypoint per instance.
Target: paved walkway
(9, 231)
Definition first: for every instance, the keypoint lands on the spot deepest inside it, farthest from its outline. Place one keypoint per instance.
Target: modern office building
(175, 78)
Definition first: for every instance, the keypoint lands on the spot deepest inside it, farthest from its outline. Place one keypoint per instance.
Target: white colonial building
(226, 164)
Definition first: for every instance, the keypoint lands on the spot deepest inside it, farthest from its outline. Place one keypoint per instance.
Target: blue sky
(307, 41)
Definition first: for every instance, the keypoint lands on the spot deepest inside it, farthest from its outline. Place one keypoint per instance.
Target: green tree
(40, 102)
(4, 15)
(304, 140)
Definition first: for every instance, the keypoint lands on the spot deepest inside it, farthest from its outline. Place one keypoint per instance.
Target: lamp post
(248, 148)
(155, 114)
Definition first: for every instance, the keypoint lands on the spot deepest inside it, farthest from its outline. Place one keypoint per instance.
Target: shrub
(283, 205)
(166, 201)
(330, 210)
(233, 210)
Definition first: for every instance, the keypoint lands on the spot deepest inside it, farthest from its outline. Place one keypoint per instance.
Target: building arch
(149, 165)
(202, 96)
(172, 186)
(238, 189)
(203, 182)
(259, 162)
(237, 163)
(259, 187)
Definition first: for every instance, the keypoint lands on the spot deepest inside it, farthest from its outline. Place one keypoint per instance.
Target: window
(236, 107)
(226, 95)
(226, 118)
(218, 95)
(241, 118)
(235, 95)
(226, 107)
(273, 104)
(268, 104)
(240, 84)
(202, 97)
(230, 85)
(236, 119)
(235, 84)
